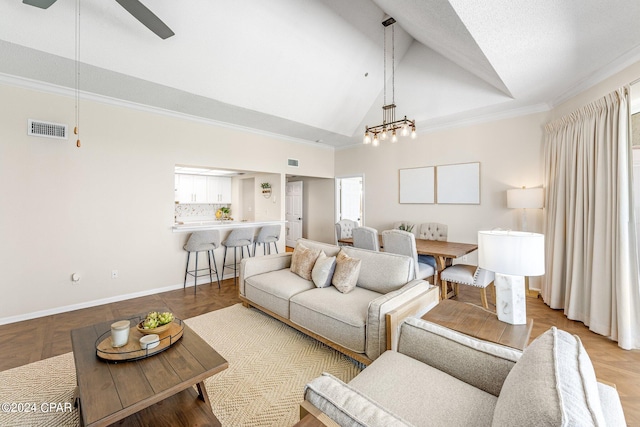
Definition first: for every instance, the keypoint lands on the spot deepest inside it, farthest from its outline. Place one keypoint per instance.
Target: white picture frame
(417, 185)
(458, 184)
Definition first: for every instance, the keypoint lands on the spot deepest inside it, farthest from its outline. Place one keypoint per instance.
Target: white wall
(318, 210)
(108, 205)
(510, 156)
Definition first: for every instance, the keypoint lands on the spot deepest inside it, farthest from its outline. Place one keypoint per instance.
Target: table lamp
(525, 198)
(511, 255)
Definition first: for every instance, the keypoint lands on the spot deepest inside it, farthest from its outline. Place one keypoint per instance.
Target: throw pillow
(322, 272)
(345, 277)
(302, 260)
(553, 383)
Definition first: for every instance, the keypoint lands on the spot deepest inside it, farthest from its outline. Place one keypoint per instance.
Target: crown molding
(45, 87)
(614, 67)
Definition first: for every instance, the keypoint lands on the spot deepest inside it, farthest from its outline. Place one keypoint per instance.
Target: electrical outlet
(114, 274)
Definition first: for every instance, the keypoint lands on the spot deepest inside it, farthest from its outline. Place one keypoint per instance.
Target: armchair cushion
(347, 406)
(423, 395)
(552, 384)
(482, 364)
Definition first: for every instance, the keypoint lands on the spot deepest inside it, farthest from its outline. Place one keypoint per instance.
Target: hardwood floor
(37, 339)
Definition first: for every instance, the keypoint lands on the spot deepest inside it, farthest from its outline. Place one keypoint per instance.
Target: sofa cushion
(381, 271)
(346, 406)
(331, 314)
(323, 269)
(553, 383)
(274, 289)
(328, 249)
(303, 260)
(345, 276)
(423, 395)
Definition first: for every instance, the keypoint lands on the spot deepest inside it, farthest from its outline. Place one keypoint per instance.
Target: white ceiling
(313, 69)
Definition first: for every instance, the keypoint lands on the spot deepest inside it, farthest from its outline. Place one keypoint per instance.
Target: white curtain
(591, 252)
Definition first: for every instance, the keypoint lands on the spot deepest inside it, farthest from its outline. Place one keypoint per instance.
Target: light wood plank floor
(37, 339)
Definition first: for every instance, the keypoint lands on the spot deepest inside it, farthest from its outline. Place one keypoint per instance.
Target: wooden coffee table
(154, 391)
(479, 323)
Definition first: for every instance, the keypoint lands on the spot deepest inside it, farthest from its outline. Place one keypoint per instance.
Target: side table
(479, 323)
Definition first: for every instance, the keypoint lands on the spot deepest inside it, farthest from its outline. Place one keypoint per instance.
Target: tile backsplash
(196, 211)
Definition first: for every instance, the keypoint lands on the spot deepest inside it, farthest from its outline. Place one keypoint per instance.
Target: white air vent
(292, 162)
(46, 129)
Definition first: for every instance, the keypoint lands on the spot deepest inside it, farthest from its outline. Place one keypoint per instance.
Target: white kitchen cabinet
(202, 189)
(191, 189)
(219, 189)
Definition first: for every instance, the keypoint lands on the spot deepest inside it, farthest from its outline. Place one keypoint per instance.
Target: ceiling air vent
(46, 129)
(292, 162)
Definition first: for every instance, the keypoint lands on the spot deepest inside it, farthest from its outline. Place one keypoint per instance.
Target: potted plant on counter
(223, 213)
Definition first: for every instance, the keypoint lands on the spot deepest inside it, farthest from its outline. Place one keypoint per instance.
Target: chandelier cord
(384, 87)
(77, 74)
(393, 61)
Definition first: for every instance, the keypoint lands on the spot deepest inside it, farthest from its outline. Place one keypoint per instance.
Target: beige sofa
(439, 377)
(355, 322)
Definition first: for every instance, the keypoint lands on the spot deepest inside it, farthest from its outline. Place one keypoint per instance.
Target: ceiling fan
(134, 7)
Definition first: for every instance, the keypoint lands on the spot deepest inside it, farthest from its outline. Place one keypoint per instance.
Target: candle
(120, 333)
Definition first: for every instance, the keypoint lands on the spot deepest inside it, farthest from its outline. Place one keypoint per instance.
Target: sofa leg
(245, 304)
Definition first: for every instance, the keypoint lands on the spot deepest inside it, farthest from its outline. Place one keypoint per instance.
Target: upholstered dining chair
(431, 231)
(366, 238)
(470, 275)
(344, 229)
(404, 243)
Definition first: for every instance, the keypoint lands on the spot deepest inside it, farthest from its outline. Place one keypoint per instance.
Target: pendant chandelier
(390, 126)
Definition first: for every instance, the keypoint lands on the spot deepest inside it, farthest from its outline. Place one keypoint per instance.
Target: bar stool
(268, 234)
(238, 238)
(200, 241)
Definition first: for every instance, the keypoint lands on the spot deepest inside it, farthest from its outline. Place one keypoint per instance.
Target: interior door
(293, 212)
(350, 199)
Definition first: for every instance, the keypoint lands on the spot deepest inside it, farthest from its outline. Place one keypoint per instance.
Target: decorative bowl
(158, 330)
(150, 341)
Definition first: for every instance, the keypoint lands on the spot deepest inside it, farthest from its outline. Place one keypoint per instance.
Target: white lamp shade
(517, 253)
(525, 198)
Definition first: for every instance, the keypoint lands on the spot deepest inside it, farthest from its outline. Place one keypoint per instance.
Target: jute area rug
(269, 364)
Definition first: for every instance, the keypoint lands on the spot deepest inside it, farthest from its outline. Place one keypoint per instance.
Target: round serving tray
(132, 350)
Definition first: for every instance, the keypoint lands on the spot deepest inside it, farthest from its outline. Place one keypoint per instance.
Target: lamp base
(511, 305)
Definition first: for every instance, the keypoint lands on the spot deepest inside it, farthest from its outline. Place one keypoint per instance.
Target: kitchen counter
(189, 226)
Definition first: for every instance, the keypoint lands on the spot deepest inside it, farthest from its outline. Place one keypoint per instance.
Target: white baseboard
(88, 304)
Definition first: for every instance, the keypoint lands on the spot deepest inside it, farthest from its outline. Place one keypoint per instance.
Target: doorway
(350, 198)
(293, 212)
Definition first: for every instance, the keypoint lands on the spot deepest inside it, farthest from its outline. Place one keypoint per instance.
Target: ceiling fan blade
(148, 18)
(42, 4)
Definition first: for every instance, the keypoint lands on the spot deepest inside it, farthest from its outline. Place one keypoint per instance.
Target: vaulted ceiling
(312, 70)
